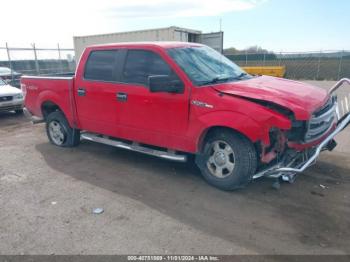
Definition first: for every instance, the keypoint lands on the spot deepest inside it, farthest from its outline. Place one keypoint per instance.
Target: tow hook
(331, 145)
(290, 178)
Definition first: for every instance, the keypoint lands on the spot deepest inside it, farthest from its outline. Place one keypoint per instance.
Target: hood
(7, 90)
(303, 99)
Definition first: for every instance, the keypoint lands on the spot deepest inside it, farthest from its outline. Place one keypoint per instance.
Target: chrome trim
(134, 147)
(342, 101)
(49, 77)
(339, 84)
(201, 104)
(326, 121)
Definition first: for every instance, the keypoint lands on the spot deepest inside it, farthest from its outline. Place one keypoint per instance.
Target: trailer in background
(173, 33)
(277, 71)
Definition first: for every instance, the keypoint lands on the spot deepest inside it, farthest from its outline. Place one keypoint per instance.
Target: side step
(170, 155)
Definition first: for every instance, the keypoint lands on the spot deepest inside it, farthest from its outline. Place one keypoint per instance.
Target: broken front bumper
(303, 160)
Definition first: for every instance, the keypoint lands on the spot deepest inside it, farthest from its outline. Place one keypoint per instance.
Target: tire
(59, 132)
(19, 111)
(228, 160)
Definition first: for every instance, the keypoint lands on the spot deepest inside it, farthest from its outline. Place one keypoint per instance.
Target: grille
(5, 98)
(10, 108)
(321, 122)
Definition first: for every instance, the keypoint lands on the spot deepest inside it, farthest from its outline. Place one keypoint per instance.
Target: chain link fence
(36, 61)
(321, 65)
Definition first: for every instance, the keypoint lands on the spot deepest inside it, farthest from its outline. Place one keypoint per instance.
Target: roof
(162, 44)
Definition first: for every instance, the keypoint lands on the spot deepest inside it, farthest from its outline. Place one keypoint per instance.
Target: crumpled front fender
(254, 129)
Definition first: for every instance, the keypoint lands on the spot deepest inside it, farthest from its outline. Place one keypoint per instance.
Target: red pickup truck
(172, 100)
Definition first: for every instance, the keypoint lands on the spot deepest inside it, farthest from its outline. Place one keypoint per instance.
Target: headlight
(18, 96)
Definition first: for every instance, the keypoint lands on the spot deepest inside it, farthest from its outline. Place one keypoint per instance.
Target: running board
(170, 155)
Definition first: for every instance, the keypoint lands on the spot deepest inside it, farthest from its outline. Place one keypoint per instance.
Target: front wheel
(59, 131)
(228, 160)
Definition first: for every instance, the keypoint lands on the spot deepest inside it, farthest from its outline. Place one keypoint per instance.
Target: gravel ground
(154, 206)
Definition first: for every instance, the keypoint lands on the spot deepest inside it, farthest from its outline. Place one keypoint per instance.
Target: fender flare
(50, 96)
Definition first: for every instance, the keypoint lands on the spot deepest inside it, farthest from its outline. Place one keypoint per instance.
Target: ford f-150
(174, 99)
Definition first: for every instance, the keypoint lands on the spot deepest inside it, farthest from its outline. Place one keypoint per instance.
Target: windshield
(203, 65)
(2, 83)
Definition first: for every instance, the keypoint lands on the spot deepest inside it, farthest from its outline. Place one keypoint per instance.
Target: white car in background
(11, 98)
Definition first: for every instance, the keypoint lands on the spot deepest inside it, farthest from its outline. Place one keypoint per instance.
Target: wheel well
(48, 107)
(207, 133)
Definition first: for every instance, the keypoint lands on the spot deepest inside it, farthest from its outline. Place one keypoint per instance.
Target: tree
(250, 50)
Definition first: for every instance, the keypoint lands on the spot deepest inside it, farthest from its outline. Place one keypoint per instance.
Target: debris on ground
(317, 193)
(276, 185)
(97, 211)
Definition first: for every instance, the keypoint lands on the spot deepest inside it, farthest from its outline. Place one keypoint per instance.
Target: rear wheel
(228, 160)
(59, 132)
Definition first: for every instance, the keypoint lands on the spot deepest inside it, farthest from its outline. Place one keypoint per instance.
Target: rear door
(96, 89)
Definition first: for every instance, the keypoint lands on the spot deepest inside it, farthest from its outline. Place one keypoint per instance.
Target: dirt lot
(154, 206)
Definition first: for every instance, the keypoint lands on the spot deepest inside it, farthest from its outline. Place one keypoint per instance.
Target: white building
(214, 40)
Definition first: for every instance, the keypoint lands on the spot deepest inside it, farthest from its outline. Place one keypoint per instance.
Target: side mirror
(163, 83)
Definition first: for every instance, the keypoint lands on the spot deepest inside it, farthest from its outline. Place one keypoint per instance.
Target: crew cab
(175, 99)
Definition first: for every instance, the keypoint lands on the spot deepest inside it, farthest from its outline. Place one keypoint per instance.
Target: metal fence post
(9, 59)
(59, 57)
(318, 65)
(36, 60)
(264, 58)
(279, 59)
(340, 65)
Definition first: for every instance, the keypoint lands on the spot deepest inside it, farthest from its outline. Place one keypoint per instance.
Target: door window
(140, 64)
(101, 66)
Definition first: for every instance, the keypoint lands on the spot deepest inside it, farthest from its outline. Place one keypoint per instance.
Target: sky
(276, 25)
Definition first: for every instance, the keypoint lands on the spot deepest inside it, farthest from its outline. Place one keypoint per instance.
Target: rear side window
(101, 65)
(140, 64)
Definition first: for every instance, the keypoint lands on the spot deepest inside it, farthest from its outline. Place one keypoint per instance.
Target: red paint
(299, 97)
(170, 120)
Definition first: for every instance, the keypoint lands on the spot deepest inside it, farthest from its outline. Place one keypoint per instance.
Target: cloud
(47, 22)
(179, 8)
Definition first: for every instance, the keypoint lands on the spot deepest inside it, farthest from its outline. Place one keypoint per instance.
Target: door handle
(122, 97)
(81, 91)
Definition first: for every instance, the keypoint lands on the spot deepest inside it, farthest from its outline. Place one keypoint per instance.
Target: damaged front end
(291, 152)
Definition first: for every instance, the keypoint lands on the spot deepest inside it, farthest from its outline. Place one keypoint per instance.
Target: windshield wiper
(215, 80)
(218, 79)
(241, 75)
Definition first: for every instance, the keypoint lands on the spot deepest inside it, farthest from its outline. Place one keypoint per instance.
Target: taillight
(24, 90)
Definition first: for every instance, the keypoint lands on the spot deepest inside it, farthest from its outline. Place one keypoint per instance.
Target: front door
(153, 118)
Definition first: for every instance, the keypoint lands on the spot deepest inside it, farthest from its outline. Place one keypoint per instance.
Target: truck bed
(39, 90)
